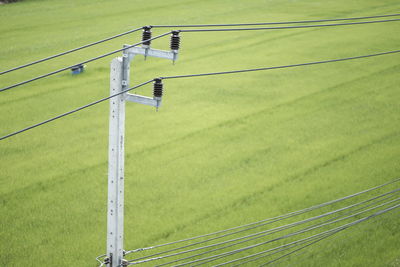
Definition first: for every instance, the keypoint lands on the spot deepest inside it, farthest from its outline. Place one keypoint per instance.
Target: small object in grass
(77, 69)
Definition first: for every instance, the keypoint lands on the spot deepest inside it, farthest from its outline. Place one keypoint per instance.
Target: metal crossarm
(150, 52)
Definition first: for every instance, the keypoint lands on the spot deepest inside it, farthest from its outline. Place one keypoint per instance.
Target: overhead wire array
(388, 196)
(69, 51)
(80, 63)
(252, 237)
(331, 231)
(288, 27)
(371, 207)
(191, 76)
(278, 67)
(270, 23)
(270, 220)
(305, 230)
(187, 26)
(194, 30)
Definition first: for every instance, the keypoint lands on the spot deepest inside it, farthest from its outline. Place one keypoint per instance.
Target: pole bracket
(145, 100)
(150, 52)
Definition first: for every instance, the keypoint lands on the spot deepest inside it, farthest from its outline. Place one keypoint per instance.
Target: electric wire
(334, 230)
(269, 220)
(228, 254)
(315, 241)
(191, 30)
(303, 247)
(187, 26)
(279, 67)
(266, 232)
(345, 226)
(285, 248)
(289, 27)
(302, 231)
(347, 213)
(70, 51)
(191, 26)
(270, 23)
(288, 254)
(73, 111)
(83, 62)
(278, 229)
(181, 76)
(257, 235)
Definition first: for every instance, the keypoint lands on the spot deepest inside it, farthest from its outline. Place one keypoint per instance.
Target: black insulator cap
(158, 88)
(175, 40)
(146, 35)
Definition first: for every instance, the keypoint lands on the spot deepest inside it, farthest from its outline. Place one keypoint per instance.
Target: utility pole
(115, 217)
(119, 82)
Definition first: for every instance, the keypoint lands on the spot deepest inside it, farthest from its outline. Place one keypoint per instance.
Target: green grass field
(222, 151)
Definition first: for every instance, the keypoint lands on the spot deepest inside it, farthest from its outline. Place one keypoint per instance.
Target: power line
(345, 226)
(263, 222)
(70, 51)
(288, 27)
(297, 212)
(187, 26)
(83, 62)
(278, 67)
(272, 231)
(303, 247)
(306, 229)
(286, 248)
(190, 30)
(347, 213)
(72, 111)
(215, 257)
(259, 234)
(269, 23)
(280, 249)
(180, 76)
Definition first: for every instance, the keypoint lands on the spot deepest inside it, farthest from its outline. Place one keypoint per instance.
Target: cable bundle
(261, 241)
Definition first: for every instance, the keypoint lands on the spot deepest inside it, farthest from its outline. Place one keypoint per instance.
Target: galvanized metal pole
(115, 214)
(119, 81)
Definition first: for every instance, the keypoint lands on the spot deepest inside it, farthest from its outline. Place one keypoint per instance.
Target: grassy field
(222, 151)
